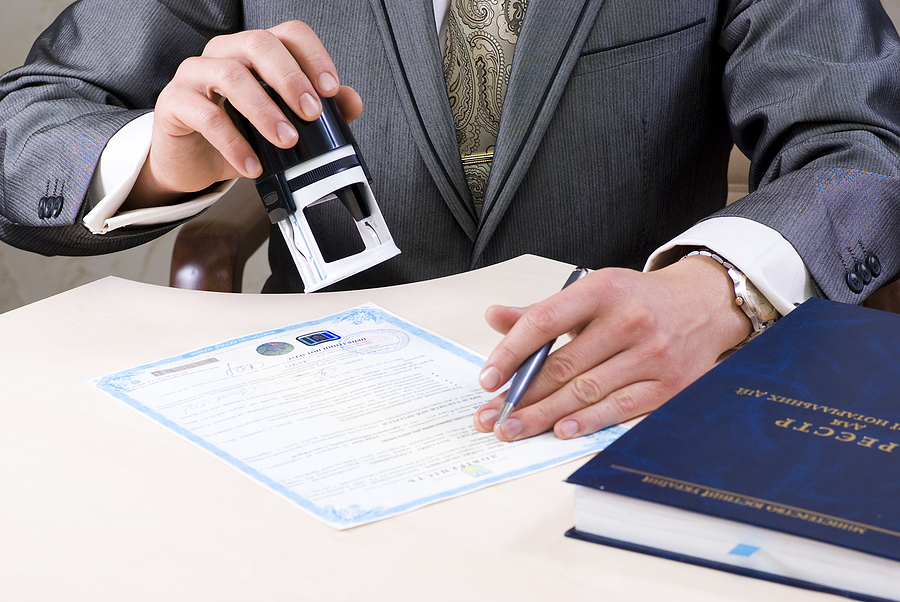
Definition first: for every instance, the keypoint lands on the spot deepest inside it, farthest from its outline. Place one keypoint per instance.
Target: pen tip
(505, 411)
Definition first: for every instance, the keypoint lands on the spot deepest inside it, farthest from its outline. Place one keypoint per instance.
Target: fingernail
(488, 418)
(285, 132)
(490, 378)
(511, 428)
(251, 164)
(327, 83)
(309, 106)
(568, 429)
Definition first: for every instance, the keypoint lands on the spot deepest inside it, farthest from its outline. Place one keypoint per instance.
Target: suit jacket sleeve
(101, 64)
(813, 96)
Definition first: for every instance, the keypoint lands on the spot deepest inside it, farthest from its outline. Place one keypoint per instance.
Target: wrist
(755, 306)
(148, 191)
(714, 291)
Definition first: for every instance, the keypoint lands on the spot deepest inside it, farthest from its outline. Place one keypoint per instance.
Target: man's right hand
(195, 144)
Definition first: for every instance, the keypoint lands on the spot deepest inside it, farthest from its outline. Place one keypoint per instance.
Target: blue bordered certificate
(354, 417)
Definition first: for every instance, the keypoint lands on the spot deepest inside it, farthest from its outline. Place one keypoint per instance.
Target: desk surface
(99, 503)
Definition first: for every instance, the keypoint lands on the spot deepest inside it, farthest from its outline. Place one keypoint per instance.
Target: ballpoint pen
(531, 366)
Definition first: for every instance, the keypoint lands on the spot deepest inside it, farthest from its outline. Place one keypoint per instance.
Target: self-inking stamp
(324, 166)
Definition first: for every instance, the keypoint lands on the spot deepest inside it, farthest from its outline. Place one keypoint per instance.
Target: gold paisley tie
(481, 38)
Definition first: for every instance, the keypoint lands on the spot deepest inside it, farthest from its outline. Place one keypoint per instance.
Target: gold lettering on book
(843, 436)
(815, 517)
(751, 392)
(857, 418)
(730, 497)
(848, 425)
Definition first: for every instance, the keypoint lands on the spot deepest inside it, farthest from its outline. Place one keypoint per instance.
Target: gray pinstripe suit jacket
(614, 136)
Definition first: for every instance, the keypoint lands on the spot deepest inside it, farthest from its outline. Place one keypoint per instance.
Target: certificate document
(354, 417)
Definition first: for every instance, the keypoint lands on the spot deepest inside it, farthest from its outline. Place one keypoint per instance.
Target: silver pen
(531, 366)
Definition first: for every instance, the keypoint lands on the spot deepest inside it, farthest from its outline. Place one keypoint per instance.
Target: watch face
(758, 302)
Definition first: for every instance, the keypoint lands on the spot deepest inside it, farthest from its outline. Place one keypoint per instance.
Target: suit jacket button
(854, 282)
(863, 270)
(57, 206)
(874, 265)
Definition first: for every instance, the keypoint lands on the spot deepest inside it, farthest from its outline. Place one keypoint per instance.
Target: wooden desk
(99, 503)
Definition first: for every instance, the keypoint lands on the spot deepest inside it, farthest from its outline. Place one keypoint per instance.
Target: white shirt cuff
(764, 255)
(118, 169)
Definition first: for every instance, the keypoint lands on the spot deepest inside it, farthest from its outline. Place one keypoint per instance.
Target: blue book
(782, 462)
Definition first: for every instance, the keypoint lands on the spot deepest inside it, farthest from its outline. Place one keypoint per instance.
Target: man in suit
(613, 142)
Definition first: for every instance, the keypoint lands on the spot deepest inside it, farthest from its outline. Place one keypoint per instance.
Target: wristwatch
(761, 312)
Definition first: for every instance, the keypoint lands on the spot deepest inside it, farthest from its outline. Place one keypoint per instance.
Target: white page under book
(354, 417)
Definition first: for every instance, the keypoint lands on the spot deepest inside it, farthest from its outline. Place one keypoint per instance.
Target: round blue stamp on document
(274, 348)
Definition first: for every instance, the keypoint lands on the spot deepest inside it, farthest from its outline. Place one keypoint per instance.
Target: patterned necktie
(481, 38)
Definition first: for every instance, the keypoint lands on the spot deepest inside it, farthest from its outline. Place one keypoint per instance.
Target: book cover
(797, 435)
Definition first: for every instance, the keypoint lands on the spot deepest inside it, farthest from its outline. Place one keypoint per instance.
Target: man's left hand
(637, 340)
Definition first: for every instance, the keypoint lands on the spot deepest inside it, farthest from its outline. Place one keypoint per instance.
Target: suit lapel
(548, 46)
(407, 29)
(551, 39)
